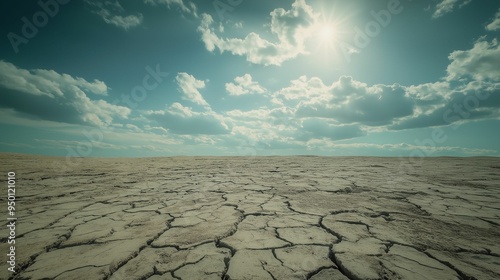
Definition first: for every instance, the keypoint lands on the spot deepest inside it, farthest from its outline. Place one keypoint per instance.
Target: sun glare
(326, 37)
(325, 44)
(326, 33)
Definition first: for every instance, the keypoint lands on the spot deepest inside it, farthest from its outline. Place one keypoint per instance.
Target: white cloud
(303, 90)
(155, 128)
(381, 107)
(244, 85)
(310, 109)
(495, 24)
(470, 91)
(56, 97)
(347, 101)
(133, 128)
(481, 62)
(188, 7)
(429, 96)
(238, 25)
(124, 22)
(311, 113)
(473, 101)
(189, 86)
(257, 114)
(113, 13)
(447, 6)
(264, 125)
(45, 82)
(182, 120)
(291, 28)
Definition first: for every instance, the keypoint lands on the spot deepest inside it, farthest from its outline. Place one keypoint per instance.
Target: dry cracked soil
(253, 218)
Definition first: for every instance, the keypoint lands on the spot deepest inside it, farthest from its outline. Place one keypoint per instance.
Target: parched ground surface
(254, 218)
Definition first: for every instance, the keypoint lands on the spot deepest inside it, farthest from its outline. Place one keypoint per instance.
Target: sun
(330, 33)
(326, 33)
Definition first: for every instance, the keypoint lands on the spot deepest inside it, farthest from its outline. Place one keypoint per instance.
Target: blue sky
(238, 77)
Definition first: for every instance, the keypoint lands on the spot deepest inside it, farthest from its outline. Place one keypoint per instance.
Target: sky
(145, 78)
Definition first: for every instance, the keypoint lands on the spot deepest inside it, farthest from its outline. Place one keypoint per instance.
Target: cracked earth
(254, 218)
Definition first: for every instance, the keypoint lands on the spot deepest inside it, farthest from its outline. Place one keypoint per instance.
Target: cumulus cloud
(244, 85)
(475, 100)
(257, 114)
(262, 127)
(312, 113)
(302, 89)
(481, 62)
(182, 120)
(310, 109)
(45, 82)
(395, 107)
(186, 7)
(356, 108)
(113, 13)
(495, 24)
(348, 101)
(49, 95)
(189, 87)
(447, 6)
(469, 92)
(291, 27)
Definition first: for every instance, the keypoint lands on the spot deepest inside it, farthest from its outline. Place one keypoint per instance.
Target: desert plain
(298, 217)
